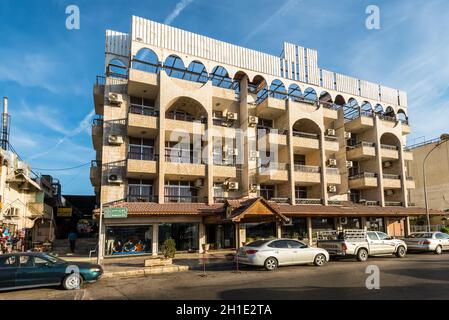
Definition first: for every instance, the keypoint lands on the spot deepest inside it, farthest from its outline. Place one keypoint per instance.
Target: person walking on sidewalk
(72, 240)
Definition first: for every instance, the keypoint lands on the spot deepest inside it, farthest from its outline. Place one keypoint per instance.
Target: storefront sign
(64, 212)
(116, 213)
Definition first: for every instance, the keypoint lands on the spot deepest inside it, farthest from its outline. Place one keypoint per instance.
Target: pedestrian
(72, 240)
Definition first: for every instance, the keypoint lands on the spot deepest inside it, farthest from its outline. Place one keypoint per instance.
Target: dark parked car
(29, 270)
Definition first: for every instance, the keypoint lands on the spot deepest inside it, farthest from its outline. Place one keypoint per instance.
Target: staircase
(61, 247)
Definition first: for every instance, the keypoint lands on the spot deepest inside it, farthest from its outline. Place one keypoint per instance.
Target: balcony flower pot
(206, 247)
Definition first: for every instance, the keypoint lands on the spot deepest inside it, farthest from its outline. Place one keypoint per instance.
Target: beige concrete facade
(437, 172)
(219, 121)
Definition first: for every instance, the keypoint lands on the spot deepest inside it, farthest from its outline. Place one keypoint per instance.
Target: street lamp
(443, 138)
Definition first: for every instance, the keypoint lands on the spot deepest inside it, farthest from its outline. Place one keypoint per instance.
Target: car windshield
(258, 243)
(53, 259)
(421, 235)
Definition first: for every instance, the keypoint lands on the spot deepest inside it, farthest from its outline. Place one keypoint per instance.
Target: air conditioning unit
(232, 186)
(332, 189)
(330, 132)
(114, 139)
(349, 164)
(348, 135)
(115, 98)
(387, 164)
(232, 116)
(343, 220)
(253, 121)
(331, 162)
(199, 183)
(115, 178)
(389, 192)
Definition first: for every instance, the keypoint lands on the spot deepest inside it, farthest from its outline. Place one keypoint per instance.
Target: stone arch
(174, 67)
(277, 90)
(186, 109)
(117, 69)
(220, 78)
(146, 60)
(196, 72)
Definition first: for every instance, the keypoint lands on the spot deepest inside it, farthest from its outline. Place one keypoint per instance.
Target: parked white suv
(360, 244)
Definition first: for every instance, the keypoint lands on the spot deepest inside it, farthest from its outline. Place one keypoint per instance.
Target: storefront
(186, 235)
(128, 240)
(297, 229)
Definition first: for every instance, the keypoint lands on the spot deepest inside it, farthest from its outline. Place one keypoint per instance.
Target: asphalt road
(418, 276)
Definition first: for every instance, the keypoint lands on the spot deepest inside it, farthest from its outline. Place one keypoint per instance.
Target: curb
(144, 271)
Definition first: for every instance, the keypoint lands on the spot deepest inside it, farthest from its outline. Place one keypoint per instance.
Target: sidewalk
(135, 266)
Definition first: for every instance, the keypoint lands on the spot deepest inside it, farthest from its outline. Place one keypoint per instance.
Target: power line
(63, 169)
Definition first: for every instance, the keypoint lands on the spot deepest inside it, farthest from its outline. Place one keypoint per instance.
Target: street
(418, 276)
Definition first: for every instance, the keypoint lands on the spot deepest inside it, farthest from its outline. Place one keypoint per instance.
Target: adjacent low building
(203, 141)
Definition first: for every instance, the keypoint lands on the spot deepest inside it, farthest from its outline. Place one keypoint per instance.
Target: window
(375, 224)
(258, 231)
(441, 236)
(265, 124)
(140, 190)
(295, 244)
(267, 191)
(180, 191)
(141, 149)
(300, 159)
(8, 262)
(39, 262)
(383, 236)
(142, 106)
(26, 261)
(128, 240)
(218, 190)
(372, 236)
(301, 192)
(298, 229)
(186, 235)
(280, 244)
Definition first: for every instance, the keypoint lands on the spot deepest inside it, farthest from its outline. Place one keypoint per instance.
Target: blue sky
(48, 71)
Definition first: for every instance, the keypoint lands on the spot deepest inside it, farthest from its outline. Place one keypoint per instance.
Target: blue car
(30, 270)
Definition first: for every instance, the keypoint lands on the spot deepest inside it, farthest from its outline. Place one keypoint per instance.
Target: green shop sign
(116, 213)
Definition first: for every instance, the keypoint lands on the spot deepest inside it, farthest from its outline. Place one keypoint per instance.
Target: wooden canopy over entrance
(254, 210)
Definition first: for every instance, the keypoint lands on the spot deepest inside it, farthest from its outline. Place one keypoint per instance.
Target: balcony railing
(306, 135)
(262, 131)
(185, 117)
(387, 118)
(222, 122)
(307, 169)
(361, 144)
(148, 156)
(224, 199)
(143, 110)
(185, 199)
(370, 203)
(363, 175)
(334, 202)
(331, 138)
(142, 198)
(329, 105)
(333, 171)
(308, 201)
(393, 203)
(280, 200)
(182, 156)
(273, 166)
(391, 176)
(389, 147)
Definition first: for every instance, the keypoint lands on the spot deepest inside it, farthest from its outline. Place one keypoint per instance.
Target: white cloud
(180, 6)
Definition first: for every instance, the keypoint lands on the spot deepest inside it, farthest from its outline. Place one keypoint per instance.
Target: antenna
(5, 124)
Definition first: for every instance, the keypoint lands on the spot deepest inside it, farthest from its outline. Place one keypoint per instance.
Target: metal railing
(182, 156)
(370, 203)
(143, 110)
(363, 175)
(333, 171)
(141, 198)
(273, 166)
(331, 138)
(308, 169)
(387, 118)
(334, 202)
(391, 176)
(185, 117)
(185, 199)
(393, 203)
(361, 144)
(223, 122)
(389, 147)
(224, 199)
(307, 135)
(280, 200)
(308, 201)
(262, 131)
(147, 156)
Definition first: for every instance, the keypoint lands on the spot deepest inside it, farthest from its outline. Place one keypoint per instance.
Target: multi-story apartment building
(208, 142)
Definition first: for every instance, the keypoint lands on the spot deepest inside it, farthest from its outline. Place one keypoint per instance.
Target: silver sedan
(435, 242)
(280, 252)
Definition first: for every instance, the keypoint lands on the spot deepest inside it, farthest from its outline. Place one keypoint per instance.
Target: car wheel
(362, 255)
(72, 281)
(320, 260)
(271, 264)
(438, 250)
(401, 252)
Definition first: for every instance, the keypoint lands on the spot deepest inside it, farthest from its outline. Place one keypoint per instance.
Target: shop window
(297, 230)
(322, 224)
(375, 224)
(186, 235)
(129, 240)
(256, 231)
